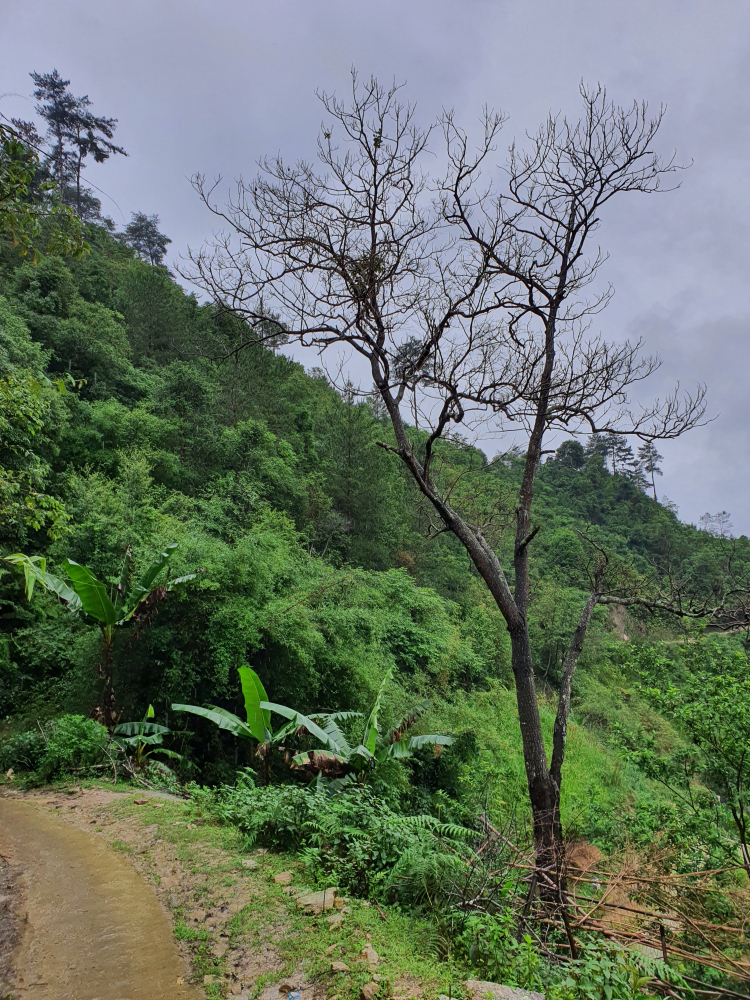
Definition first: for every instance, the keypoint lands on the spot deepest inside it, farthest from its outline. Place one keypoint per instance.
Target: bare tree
(466, 298)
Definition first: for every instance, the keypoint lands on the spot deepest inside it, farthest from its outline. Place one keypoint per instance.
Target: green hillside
(134, 416)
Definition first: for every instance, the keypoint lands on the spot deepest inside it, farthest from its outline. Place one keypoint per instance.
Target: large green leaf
(254, 693)
(146, 581)
(302, 720)
(124, 584)
(139, 729)
(372, 727)
(92, 593)
(35, 571)
(338, 741)
(220, 716)
(434, 739)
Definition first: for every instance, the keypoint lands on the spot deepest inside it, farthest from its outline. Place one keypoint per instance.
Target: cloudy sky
(212, 85)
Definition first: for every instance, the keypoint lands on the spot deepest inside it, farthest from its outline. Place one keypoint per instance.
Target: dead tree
(467, 302)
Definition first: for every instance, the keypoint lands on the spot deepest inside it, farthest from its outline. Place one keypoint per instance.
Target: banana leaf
(372, 728)
(253, 692)
(302, 720)
(222, 718)
(92, 593)
(124, 583)
(146, 581)
(139, 729)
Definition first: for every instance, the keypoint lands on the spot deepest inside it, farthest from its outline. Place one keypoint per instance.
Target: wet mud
(78, 922)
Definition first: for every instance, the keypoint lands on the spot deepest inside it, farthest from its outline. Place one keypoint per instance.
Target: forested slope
(314, 557)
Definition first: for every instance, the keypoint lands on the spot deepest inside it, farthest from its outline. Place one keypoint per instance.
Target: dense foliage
(131, 423)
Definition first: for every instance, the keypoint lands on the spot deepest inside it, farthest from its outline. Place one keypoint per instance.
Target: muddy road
(81, 923)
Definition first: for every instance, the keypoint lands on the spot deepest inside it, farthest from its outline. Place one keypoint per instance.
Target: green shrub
(605, 970)
(354, 839)
(23, 752)
(64, 745)
(73, 742)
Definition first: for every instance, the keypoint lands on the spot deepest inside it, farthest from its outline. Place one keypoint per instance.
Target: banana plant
(143, 739)
(346, 762)
(258, 719)
(86, 597)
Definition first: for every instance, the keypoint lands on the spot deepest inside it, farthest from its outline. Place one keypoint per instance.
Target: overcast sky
(211, 86)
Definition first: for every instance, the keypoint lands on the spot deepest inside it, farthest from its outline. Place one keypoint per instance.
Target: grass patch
(268, 922)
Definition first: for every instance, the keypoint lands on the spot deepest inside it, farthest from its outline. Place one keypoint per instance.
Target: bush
(354, 840)
(23, 752)
(66, 744)
(606, 971)
(73, 742)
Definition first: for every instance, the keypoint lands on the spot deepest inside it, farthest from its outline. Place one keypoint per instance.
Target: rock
(207, 980)
(339, 967)
(249, 863)
(316, 902)
(283, 878)
(338, 903)
(369, 991)
(365, 902)
(369, 955)
(335, 920)
(291, 985)
(329, 950)
(235, 989)
(140, 802)
(478, 989)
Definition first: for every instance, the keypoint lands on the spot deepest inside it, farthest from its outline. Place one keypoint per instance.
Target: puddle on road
(94, 929)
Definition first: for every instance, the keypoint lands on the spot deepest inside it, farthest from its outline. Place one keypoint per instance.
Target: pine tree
(142, 234)
(76, 133)
(650, 458)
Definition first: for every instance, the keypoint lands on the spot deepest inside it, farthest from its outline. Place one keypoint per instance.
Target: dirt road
(88, 927)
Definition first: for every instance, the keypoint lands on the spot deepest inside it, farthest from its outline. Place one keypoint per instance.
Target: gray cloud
(214, 86)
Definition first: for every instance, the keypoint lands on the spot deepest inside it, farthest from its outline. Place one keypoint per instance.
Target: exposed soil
(90, 929)
(108, 880)
(9, 917)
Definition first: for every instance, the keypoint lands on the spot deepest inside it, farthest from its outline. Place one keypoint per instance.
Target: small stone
(365, 902)
(369, 991)
(283, 878)
(377, 979)
(207, 980)
(235, 989)
(478, 989)
(335, 920)
(339, 967)
(331, 948)
(316, 902)
(249, 863)
(140, 802)
(369, 955)
(290, 985)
